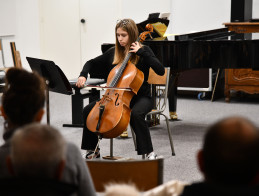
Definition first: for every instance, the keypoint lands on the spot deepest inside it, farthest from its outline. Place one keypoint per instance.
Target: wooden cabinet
(243, 27)
(245, 80)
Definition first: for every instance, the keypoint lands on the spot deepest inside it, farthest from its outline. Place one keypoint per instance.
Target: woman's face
(122, 36)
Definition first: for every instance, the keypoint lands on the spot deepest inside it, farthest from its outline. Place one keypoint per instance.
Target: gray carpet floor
(194, 118)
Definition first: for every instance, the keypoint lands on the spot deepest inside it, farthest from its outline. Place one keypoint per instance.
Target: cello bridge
(107, 98)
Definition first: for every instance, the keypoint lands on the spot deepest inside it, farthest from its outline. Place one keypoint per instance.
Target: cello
(111, 115)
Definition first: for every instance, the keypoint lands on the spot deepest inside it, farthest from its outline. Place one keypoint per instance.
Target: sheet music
(164, 16)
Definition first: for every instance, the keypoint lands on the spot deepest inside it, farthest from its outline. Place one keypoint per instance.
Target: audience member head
(37, 151)
(230, 152)
(23, 98)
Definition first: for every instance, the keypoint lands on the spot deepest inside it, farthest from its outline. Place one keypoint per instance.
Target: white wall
(93, 12)
(199, 15)
(60, 34)
(255, 15)
(255, 8)
(138, 10)
(7, 17)
(27, 32)
(186, 16)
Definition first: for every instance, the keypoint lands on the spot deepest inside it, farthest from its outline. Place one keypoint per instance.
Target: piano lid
(214, 34)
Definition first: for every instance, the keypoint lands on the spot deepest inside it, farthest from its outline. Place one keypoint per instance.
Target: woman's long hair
(131, 28)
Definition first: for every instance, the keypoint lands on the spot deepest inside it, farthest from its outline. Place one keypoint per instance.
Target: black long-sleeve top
(101, 66)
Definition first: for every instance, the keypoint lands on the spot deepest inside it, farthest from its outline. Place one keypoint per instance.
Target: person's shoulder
(71, 147)
(74, 154)
(74, 160)
(4, 152)
(29, 187)
(5, 148)
(110, 50)
(200, 188)
(146, 48)
(203, 188)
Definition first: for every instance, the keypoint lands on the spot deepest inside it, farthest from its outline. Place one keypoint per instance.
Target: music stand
(153, 15)
(56, 81)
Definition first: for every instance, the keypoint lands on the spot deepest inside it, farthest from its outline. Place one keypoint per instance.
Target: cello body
(115, 116)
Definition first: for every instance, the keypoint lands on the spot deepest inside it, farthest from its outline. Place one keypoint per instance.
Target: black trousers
(140, 107)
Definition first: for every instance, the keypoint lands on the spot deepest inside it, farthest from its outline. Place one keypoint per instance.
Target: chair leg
(111, 147)
(170, 135)
(111, 157)
(134, 138)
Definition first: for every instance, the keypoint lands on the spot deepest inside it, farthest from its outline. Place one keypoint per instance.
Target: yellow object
(124, 134)
(159, 38)
(173, 115)
(160, 28)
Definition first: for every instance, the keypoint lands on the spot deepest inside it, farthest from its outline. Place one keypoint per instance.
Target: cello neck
(120, 71)
(122, 68)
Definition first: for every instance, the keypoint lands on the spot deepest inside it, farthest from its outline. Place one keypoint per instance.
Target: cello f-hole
(116, 101)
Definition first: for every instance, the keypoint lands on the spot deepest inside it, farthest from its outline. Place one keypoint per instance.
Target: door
(99, 27)
(60, 34)
(68, 41)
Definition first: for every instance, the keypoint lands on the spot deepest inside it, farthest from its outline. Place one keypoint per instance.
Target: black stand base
(73, 125)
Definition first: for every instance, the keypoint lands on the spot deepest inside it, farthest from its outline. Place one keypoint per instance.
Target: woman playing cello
(126, 35)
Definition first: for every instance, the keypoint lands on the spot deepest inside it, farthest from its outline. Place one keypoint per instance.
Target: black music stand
(58, 82)
(55, 78)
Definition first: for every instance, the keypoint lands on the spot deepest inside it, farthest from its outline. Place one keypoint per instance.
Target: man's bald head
(230, 151)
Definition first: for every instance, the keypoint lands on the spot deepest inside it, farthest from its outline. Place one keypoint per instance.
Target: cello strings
(120, 71)
(122, 68)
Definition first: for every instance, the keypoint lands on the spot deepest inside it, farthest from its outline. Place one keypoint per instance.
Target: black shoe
(92, 155)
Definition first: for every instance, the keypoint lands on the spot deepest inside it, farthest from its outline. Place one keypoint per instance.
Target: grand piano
(206, 49)
(199, 52)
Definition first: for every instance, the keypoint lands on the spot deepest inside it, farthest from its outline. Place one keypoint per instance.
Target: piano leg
(172, 94)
